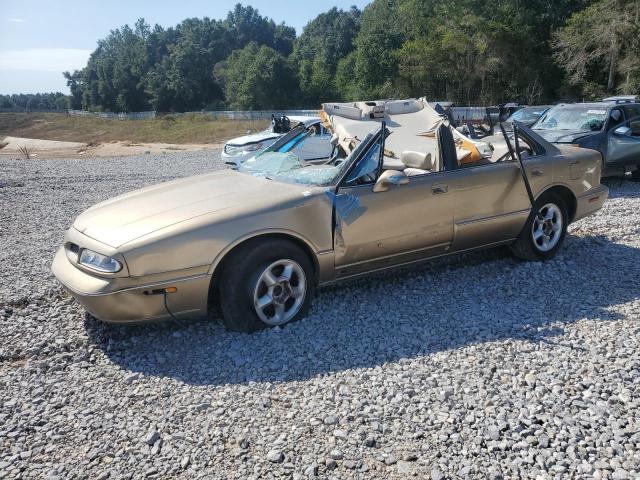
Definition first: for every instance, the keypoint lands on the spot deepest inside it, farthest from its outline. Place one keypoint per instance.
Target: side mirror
(622, 131)
(388, 178)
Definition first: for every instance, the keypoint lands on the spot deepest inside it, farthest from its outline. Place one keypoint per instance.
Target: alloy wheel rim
(546, 228)
(280, 292)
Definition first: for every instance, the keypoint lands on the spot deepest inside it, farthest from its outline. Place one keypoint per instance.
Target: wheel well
(567, 195)
(213, 300)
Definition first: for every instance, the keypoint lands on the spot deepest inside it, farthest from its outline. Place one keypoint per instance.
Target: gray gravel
(472, 367)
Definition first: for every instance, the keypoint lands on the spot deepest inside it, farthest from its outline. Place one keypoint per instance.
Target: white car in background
(238, 150)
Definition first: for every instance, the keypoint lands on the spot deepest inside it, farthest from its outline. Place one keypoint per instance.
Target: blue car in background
(612, 128)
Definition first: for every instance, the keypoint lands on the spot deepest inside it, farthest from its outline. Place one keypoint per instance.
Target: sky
(39, 39)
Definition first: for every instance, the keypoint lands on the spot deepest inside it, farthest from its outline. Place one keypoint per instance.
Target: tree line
(26, 102)
(465, 51)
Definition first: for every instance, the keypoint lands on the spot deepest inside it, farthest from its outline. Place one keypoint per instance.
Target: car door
(623, 142)
(380, 229)
(491, 201)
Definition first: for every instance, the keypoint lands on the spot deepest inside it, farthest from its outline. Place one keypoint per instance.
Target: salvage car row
(611, 127)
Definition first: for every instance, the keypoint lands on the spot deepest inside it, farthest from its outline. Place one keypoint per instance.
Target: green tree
(381, 34)
(345, 80)
(467, 51)
(245, 25)
(324, 42)
(113, 77)
(74, 82)
(35, 102)
(183, 79)
(257, 77)
(170, 69)
(599, 47)
(471, 51)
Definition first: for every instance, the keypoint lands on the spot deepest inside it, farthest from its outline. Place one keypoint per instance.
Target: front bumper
(107, 300)
(591, 202)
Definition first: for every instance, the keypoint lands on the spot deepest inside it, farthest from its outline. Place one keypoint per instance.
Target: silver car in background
(238, 150)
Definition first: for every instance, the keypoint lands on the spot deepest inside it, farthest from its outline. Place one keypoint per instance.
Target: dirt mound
(14, 144)
(17, 146)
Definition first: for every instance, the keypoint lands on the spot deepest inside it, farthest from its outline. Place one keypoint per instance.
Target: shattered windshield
(282, 163)
(584, 118)
(288, 167)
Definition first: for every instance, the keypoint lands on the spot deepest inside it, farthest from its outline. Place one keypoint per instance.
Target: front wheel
(266, 283)
(545, 229)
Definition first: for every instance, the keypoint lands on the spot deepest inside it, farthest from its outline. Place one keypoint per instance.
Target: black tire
(635, 175)
(242, 272)
(526, 246)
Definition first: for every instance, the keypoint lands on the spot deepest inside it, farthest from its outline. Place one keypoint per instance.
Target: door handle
(537, 172)
(439, 189)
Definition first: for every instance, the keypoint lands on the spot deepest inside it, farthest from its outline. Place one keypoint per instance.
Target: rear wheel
(545, 229)
(265, 283)
(635, 175)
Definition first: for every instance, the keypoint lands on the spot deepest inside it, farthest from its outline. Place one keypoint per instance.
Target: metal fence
(257, 114)
(111, 115)
(228, 114)
(468, 114)
(459, 114)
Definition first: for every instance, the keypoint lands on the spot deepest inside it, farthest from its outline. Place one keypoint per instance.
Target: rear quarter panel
(578, 168)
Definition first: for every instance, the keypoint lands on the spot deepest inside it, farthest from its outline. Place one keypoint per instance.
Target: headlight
(98, 262)
(238, 150)
(253, 147)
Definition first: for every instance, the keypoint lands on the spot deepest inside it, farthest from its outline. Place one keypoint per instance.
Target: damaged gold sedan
(400, 186)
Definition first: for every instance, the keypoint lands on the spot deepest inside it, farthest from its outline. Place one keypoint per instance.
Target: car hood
(141, 212)
(253, 138)
(562, 136)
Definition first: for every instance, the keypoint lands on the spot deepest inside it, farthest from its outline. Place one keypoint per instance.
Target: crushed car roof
(412, 124)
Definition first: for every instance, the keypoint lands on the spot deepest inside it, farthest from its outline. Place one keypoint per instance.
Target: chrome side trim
(493, 217)
(417, 261)
(408, 252)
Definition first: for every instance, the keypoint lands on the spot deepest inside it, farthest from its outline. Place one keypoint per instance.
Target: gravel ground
(472, 367)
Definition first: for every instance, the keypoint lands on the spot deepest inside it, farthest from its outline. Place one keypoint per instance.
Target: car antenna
(515, 153)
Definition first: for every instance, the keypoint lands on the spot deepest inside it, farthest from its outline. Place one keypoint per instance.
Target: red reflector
(594, 199)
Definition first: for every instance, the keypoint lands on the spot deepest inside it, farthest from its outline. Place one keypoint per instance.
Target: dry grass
(25, 152)
(90, 130)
